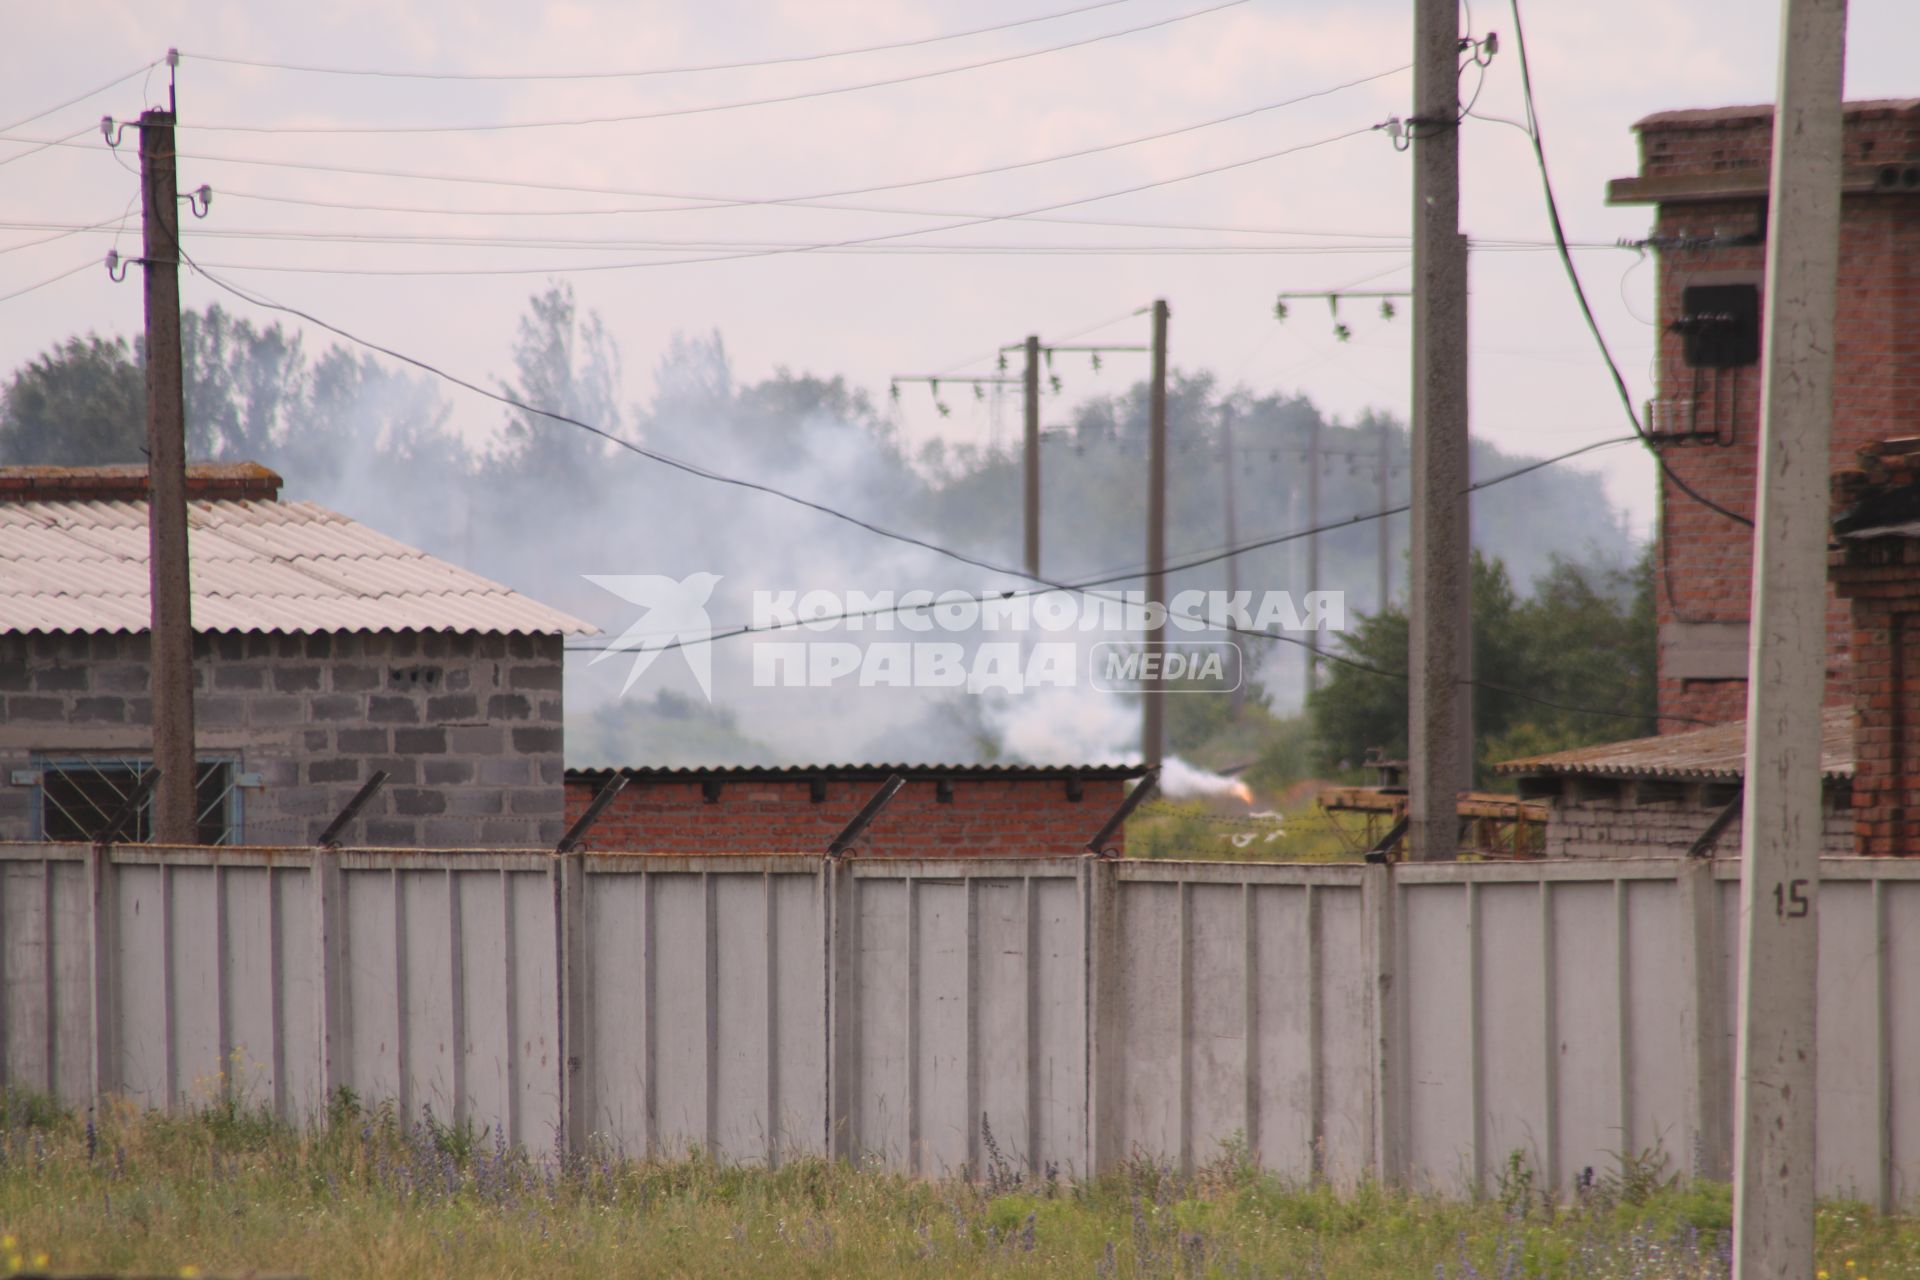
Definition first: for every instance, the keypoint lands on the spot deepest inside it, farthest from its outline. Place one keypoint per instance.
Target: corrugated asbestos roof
(857, 772)
(1718, 753)
(257, 566)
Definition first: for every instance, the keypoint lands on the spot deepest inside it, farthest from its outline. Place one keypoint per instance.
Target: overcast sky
(1340, 209)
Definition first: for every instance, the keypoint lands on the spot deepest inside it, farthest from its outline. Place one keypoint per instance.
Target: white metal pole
(1780, 837)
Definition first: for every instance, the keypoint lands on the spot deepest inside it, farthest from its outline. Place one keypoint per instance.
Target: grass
(227, 1191)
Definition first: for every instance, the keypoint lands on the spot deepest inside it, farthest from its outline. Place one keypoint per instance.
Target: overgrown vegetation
(228, 1191)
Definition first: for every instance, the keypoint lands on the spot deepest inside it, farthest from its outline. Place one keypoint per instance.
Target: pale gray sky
(1537, 384)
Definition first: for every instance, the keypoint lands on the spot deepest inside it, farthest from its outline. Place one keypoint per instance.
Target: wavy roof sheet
(1718, 753)
(291, 567)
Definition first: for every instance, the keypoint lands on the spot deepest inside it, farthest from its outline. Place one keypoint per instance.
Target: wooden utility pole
(1439, 737)
(1153, 731)
(1780, 845)
(1031, 477)
(175, 816)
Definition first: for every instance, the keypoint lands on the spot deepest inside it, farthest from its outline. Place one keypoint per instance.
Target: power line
(960, 225)
(309, 69)
(75, 101)
(709, 108)
(70, 271)
(1580, 292)
(654, 455)
(894, 535)
(50, 142)
(1085, 585)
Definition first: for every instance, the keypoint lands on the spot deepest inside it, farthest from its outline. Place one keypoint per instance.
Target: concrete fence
(1416, 1023)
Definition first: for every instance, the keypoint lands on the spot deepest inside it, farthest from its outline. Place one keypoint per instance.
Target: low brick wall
(1025, 817)
(468, 728)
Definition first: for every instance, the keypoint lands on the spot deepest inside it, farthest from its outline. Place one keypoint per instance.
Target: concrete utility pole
(1153, 730)
(1780, 831)
(1229, 460)
(1030, 391)
(1439, 736)
(175, 815)
(1383, 469)
(1313, 552)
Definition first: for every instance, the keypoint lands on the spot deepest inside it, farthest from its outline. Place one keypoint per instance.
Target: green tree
(566, 363)
(82, 403)
(1570, 665)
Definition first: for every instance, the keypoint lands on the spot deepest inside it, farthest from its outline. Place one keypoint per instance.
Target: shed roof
(1718, 753)
(857, 772)
(79, 564)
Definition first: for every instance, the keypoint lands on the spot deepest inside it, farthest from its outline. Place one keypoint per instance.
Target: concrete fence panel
(1425, 1024)
(960, 1022)
(1235, 1013)
(704, 996)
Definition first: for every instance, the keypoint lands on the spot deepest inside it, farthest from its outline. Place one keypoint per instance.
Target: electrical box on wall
(1721, 325)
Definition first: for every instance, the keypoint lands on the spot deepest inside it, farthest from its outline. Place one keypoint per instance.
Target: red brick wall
(986, 817)
(1704, 563)
(1882, 579)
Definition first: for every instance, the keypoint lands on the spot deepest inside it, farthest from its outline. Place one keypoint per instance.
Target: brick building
(1655, 797)
(1875, 567)
(323, 651)
(942, 811)
(1706, 172)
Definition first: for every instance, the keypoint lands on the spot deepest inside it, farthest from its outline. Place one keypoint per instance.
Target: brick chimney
(1706, 172)
(206, 482)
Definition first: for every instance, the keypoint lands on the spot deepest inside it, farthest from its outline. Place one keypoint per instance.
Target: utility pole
(1227, 464)
(1313, 552)
(1153, 730)
(1780, 873)
(1439, 707)
(1031, 475)
(175, 816)
(1383, 470)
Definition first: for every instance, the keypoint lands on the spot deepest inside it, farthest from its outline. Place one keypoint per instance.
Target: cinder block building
(943, 811)
(323, 651)
(1706, 174)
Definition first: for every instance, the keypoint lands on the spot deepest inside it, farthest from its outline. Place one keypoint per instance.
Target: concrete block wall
(1607, 819)
(467, 726)
(1705, 560)
(997, 817)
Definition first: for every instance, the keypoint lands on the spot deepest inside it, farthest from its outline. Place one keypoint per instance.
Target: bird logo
(675, 615)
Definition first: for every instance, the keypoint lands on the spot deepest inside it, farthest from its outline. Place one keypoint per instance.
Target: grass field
(224, 1192)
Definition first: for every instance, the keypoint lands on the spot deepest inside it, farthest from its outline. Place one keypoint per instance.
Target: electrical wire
(1580, 292)
(895, 535)
(530, 76)
(50, 142)
(666, 113)
(70, 271)
(883, 237)
(75, 101)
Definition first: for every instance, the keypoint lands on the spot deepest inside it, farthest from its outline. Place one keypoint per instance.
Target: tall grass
(364, 1194)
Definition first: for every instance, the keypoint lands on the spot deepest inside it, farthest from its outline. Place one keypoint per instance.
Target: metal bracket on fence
(863, 819)
(584, 823)
(331, 836)
(128, 807)
(1703, 847)
(1383, 847)
(1149, 782)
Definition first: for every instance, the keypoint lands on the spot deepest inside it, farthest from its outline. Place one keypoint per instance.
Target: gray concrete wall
(1417, 1023)
(468, 728)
